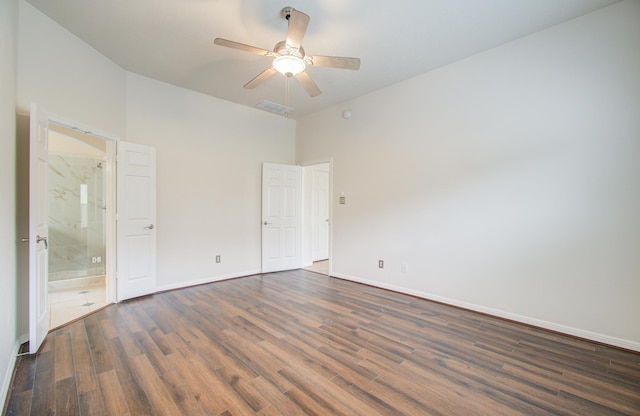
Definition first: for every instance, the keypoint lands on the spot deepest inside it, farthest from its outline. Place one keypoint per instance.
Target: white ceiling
(172, 40)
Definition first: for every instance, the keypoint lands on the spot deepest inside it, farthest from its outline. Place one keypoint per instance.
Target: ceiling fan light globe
(289, 64)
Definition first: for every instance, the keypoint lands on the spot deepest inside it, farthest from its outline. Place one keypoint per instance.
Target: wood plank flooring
(298, 343)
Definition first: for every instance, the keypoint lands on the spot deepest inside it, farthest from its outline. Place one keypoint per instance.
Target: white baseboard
(576, 332)
(6, 382)
(197, 282)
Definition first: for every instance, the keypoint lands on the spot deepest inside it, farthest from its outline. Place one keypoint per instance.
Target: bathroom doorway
(77, 197)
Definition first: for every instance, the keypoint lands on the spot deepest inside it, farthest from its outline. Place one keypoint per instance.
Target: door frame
(306, 230)
(110, 195)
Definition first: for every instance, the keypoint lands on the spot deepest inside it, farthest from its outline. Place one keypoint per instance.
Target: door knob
(46, 243)
(150, 227)
(266, 223)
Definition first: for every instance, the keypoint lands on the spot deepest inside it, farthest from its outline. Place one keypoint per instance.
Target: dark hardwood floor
(296, 343)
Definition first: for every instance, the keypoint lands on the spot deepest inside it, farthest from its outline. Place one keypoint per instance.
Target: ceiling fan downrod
(286, 12)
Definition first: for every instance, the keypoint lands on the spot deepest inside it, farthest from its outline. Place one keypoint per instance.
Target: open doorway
(77, 198)
(317, 223)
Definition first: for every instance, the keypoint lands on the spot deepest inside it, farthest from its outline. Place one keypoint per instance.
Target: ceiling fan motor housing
(282, 49)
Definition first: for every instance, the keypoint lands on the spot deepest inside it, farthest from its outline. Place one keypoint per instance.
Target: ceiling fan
(289, 56)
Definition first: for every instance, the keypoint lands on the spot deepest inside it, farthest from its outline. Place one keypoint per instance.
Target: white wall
(210, 155)
(68, 78)
(8, 313)
(508, 182)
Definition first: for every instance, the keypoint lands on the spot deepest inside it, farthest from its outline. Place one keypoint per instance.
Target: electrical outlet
(404, 268)
(99, 259)
(381, 264)
(218, 258)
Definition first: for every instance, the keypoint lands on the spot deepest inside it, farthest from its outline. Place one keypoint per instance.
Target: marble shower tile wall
(76, 216)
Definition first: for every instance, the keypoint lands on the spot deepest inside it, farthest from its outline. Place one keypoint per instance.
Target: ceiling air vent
(276, 108)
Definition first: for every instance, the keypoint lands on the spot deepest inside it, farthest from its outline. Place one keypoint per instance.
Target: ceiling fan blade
(298, 22)
(308, 84)
(335, 62)
(260, 77)
(241, 46)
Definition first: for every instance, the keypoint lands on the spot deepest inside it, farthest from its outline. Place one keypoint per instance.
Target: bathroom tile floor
(69, 304)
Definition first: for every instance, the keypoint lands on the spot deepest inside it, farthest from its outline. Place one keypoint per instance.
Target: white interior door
(38, 229)
(136, 220)
(281, 217)
(320, 212)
